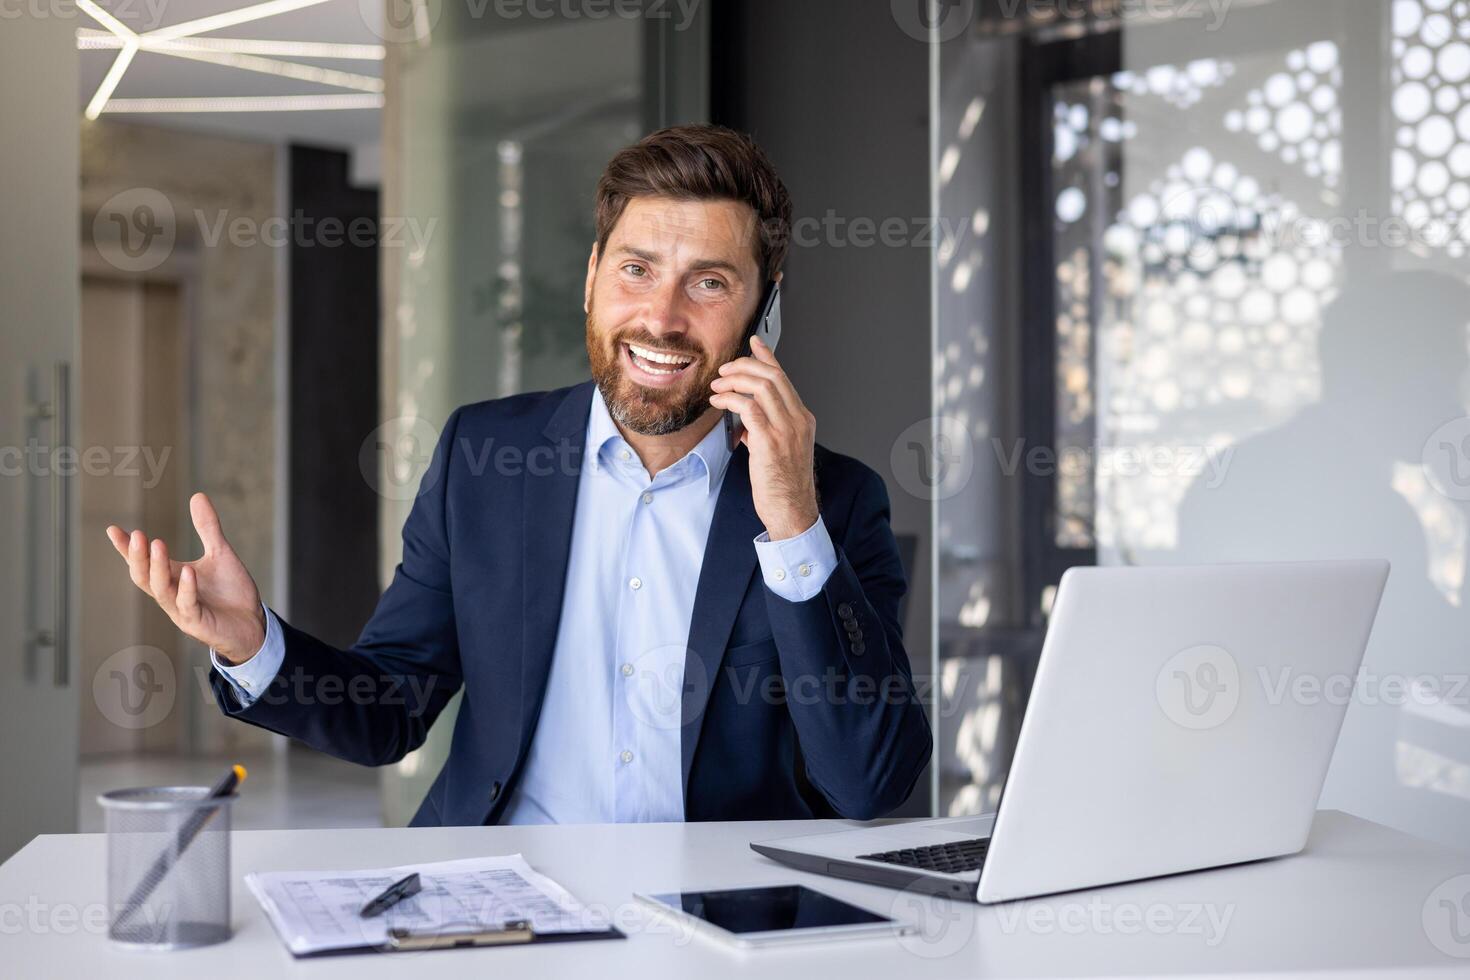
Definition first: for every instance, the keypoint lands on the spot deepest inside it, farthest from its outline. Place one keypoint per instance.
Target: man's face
(667, 303)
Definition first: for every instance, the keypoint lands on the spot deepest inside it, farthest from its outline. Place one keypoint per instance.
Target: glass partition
(498, 121)
(1286, 349)
(1238, 332)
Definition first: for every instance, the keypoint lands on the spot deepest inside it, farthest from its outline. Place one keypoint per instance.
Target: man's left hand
(779, 433)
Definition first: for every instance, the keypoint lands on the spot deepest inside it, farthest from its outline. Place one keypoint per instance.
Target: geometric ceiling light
(230, 18)
(180, 41)
(120, 65)
(265, 66)
(246, 103)
(91, 39)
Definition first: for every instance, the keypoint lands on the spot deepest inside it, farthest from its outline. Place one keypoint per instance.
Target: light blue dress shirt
(607, 745)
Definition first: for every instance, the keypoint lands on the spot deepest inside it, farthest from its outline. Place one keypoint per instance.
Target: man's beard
(650, 411)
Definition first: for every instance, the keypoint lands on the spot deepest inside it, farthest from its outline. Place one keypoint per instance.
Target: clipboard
(512, 934)
(489, 901)
(517, 933)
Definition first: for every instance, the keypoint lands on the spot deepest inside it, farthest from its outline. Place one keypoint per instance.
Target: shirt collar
(712, 452)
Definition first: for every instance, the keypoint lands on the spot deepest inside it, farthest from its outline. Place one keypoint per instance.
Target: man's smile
(654, 368)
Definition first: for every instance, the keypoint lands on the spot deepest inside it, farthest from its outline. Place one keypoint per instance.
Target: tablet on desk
(773, 915)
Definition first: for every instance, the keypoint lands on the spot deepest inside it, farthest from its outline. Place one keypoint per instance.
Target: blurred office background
(1105, 282)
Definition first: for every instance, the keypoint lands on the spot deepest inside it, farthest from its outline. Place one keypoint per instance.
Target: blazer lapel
(729, 561)
(548, 507)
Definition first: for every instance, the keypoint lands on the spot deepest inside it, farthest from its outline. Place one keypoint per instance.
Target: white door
(39, 131)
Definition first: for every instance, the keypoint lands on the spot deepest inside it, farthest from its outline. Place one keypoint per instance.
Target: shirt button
(804, 568)
(626, 756)
(780, 574)
(624, 454)
(635, 583)
(648, 498)
(627, 670)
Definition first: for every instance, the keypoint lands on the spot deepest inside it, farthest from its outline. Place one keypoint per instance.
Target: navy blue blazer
(790, 709)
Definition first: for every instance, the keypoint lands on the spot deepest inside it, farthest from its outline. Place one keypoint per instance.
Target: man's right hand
(212, 599)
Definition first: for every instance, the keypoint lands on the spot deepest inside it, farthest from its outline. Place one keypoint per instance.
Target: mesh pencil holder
(168, 867)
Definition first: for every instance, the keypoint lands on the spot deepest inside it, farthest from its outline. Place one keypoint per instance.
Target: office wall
(199, 187)
(838, 96)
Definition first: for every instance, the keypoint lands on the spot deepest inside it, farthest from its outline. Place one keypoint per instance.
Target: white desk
(1360, 897)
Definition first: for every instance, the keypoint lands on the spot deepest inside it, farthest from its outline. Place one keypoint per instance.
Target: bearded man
(647, 624)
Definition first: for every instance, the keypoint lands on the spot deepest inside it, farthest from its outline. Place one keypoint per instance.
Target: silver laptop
(1179, 720)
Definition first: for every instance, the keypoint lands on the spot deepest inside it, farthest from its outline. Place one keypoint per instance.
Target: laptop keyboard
(953, 858)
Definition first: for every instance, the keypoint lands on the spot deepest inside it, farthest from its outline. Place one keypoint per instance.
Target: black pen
(392, 895)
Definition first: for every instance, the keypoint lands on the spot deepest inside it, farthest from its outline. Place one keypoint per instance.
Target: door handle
(58, 412)
(61, 527)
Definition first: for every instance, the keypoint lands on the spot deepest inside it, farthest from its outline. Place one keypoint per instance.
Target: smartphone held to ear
(766, 326)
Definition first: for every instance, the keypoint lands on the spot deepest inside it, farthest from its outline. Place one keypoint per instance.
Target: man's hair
(700, 163)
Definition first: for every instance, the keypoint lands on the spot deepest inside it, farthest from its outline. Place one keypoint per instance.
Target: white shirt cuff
(251, 678)
(797, 568)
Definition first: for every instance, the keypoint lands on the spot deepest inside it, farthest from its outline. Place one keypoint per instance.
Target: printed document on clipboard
(468, 902)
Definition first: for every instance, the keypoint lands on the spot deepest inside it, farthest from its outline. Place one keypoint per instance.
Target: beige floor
(295, 789)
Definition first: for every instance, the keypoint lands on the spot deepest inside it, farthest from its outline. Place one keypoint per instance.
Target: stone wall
(221, 193)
